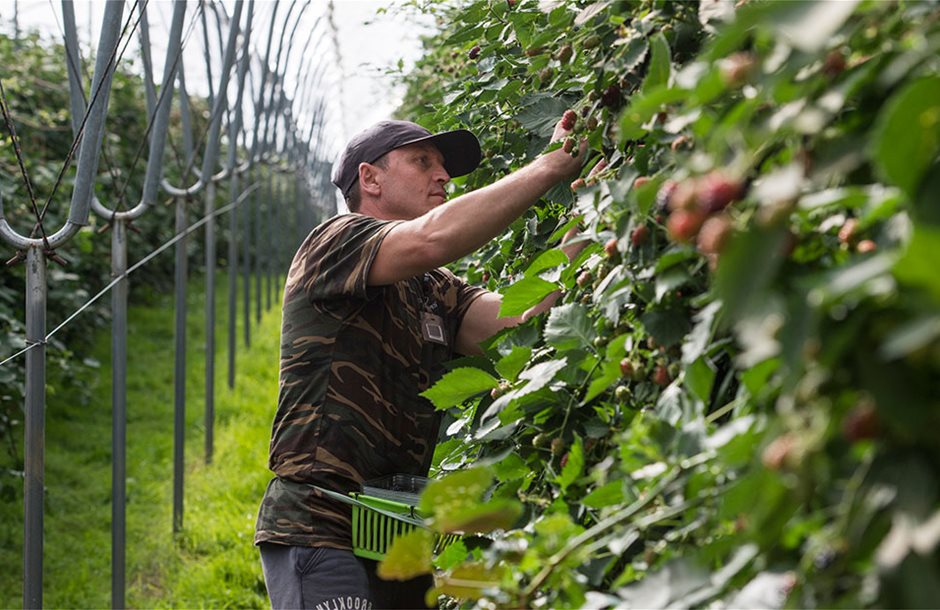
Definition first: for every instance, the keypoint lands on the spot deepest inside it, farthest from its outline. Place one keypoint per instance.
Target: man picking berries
(369, 317)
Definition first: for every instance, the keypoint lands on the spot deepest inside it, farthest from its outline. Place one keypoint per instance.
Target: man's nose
(440, 174)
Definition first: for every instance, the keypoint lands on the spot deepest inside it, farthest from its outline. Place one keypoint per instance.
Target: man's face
(413, 183)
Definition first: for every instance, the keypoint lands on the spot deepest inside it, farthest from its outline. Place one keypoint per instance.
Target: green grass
(212, 562)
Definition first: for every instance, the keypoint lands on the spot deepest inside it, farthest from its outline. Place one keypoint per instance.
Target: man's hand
(567, 164)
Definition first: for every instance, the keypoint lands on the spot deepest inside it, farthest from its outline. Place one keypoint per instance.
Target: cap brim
(460, 148)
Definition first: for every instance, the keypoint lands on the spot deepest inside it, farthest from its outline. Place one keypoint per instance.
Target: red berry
(664, 194)
(474, 52)
(848, 230)
(610, 248)
(568, 145)
(861, 423)
(584, 279)
(661, 376)
(639, 236)
(568, 120)
(683, 225)
(834, 63)
(736, 69)
(626, 368)
(866, 245)
(564, 54)
(715, 191)
(714, 234)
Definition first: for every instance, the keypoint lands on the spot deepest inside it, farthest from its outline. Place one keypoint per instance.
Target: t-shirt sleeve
(457, 295)
(339, 254)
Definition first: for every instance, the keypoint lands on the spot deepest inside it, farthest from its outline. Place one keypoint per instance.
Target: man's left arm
(482, 319)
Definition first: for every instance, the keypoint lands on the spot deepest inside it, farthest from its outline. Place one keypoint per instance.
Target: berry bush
(736, 403)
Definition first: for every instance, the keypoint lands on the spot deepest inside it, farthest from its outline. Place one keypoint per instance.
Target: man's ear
(369, 179)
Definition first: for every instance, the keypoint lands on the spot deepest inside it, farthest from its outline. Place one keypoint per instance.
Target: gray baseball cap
(460, 148)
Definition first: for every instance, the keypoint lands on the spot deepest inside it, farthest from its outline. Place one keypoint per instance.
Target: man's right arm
(457, 228)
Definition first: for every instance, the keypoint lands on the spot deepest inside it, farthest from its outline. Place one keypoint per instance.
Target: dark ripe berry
(564, 461)
(714, 234)
(736, 69)
(558, 445)
(579, 183)
(861, 423)
(592, 123)
(640, 181)
(661, 376)
(715, 191)
(545, 74)
(474, 52)
(626, 368)
(611, 96)
(584, 279)
(564, 54)
(534, 51)
(568, 146)
(585, 110)
(568, 120)
(639, 236)
(510, 3)
(866, 245)
(834, 63)
(610, 248)
(683, 225)
(848, 230)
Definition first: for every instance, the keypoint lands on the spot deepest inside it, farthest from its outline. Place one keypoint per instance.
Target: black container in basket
(386, 509)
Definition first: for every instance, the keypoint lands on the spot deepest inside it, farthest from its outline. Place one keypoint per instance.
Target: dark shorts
(332, 579)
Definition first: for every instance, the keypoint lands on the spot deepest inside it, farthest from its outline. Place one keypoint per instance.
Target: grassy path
(211, 562)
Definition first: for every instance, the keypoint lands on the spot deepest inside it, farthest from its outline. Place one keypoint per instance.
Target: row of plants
(36, 91)
(735, 403)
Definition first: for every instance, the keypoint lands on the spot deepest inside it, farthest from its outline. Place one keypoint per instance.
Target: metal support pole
(179, 397)
(210, 317)
(259, 249)
(268, 250)
(232, 278)
(35, 444)
(246, 265)
(119, 409)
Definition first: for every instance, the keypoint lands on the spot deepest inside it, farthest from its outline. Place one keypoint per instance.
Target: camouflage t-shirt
(353, 362)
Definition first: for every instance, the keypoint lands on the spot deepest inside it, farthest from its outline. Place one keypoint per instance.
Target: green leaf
(918, 265)
(667, 326)
(467, 581)
(458, 385)
(610, 372)
(573, 467)
(907, 134)
(747, 267)
(810, 26)
(910, 337)
(546, 260)
(510, 365)
(699, 377)
(409, 556)
(660, 66)
(607, 495)
(569, 327)
(522, 295)
(642, 109)
(541, 112)
(456, 491)
(499, 514)
(539, 376)
(452, 555)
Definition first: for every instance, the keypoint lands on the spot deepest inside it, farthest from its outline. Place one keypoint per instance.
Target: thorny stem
(601, 526)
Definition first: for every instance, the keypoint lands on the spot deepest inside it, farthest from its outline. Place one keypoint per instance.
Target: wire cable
(132, 268)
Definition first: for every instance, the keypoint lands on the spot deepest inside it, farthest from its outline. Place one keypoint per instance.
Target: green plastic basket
(376, 522)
